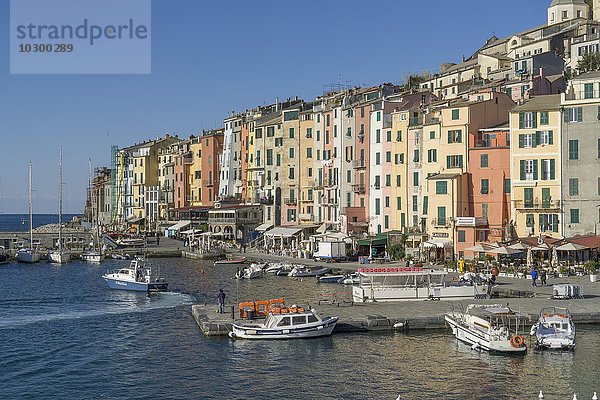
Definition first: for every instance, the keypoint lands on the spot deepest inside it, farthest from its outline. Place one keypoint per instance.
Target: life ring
(517, 341)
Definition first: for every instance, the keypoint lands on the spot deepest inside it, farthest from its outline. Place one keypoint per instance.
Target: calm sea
(65, 335)
(20, 222)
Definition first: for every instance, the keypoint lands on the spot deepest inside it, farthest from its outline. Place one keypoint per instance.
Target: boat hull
(324, 328)
(231, 261)
(59, 257)
(477, 340)
(93, 258)
(28, 258)
(119, 284)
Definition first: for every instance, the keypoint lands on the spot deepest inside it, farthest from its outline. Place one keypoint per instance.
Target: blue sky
(212, 57)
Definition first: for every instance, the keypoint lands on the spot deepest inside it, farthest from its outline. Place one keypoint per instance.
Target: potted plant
(592, 268)
(562, 271)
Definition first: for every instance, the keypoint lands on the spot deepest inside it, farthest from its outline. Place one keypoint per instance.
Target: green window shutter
(554, 223)
(566, 113)
(579, 114)
(550, 137)
(535, 170)
(459, 137)
(522, 169)
(534, 120)
(538, 138)
(521, 141)
(460, 161)
(521, 120)
(449, 136)
(552, 169)
(425, 204)
(448, 162)
(398, 203)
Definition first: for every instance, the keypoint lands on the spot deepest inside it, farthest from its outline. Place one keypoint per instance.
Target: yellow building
(535, 166)
(307, 173)
(194, 176)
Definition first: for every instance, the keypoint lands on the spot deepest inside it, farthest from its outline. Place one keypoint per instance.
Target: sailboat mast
(60, 204)
(30, 210)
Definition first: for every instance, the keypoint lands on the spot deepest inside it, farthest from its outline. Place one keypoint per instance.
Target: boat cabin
(290, 320)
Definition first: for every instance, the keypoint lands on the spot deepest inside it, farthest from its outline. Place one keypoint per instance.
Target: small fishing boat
(60, 255)
(272, 268)
(137, 277)
(495, 330)
(350, 279)
(330, 278)
(302, 271)
(252, 272)
(554, 330)
(286, 323)
(226, 261)
(92, 256)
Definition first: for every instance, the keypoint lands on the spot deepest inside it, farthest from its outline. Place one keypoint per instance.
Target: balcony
(582, 94)
(415, 230)
(538, 205)
(188, 160)
(359, 164)
(441, 223)
(290, 201)
(305, 217)
(266, 200)
(208, 183)
(331, 202)
(358, 189)
(318, 184)
(413, 121)
(189, 198)
(330, 183)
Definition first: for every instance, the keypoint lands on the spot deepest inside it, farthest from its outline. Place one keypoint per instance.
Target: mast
(30, 211)
(60, 204)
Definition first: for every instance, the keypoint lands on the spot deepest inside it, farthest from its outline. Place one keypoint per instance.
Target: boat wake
(123, 304)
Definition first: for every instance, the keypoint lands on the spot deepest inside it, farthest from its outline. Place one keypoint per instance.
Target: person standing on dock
(221, 300)
(543, 277)
(534, 276)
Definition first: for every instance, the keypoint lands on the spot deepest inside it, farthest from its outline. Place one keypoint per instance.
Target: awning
(263, 227)
(135, 220)
(281, 231)
(376, 241)
(572, 247)
(322, 228)
(191, 232)
(438, 243)
(179, 225)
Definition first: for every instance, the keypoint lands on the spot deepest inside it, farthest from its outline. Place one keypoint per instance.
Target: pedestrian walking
(543, 276)
(534, 276)
(221, 300)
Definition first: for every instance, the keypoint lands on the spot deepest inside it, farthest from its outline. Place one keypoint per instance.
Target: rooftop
(540, 103)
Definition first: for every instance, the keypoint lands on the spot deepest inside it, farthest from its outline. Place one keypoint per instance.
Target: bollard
(594, 397)
(541, 395)
(575, 396)
(232, 313)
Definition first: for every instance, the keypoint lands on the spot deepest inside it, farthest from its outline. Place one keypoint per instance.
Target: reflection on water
(64, 334)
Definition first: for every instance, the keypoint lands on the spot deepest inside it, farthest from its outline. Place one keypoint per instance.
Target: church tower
(566, 10)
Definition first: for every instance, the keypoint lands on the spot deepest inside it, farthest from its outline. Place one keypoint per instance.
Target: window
(441, 187)
(309, 133)
(483, 160)
(309, 152)
(573, 149)
(399, 136)
(377, 183)
(388, 156)
(415, 203)
(386, 222)
(484, 209)
(415, 179)
(507, 187)
(378, 136)
(389, 136)
(258, 133)
(462, 236)
(588, 91)
(528, 170)
(291, 172)
(388, 181)
(548, 170)
(441, 216)
(455, 136)
(598, 148)
(485, 186)
(454, 161)
(425, 204)
(270, 131)
(455, 114)
(527, 120)
(431, 134)
(378, 116)
(398, 180)
(285, 321)
(291, 152)
(573, 187)
(377, 206)
(544, 119)
(377, 158)
(544, 138)
(387, 201)
(573, 114)
(416, 156)
(528, 197)
(548, 223)
(299, 320)
(574, 215)
(565, 15)
(432, 155)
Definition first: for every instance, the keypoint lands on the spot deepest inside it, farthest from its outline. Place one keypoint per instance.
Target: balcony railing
(290, 201)
(359, 164)
(266, 200)
(537, 204)
(415, 121)
(208, 183)
(582, 94)
(305, 217)
(188, 160)
(415, 230)
(441, 222)
(318, 184)
(359, 189)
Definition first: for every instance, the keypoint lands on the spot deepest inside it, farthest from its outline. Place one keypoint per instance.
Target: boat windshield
(285, 321)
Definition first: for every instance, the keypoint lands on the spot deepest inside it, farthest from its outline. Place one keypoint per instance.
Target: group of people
(543, 275)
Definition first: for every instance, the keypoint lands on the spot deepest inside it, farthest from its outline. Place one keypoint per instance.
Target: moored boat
(92, 256)
(252, 272)
(3, 255)
(137, 277)
(239, 260)
(302, 271)
(29, 255)
(495, 330)
(286, 323)
(554, 329)
(59, 255)
(330, 278)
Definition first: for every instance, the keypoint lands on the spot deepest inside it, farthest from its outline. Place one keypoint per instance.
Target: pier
(425, 314)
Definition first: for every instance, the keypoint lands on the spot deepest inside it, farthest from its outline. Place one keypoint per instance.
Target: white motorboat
(273, 268)
(554, 330)
(496, 329)
(303, 271)
(59, 255)
(137, 277)
(286, 323)
(251, 272)
(92, 256)
(350, 279)
(29, 255)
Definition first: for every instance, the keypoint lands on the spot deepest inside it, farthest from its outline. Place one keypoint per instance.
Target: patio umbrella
(519, 246)
(506, 251)
(541, 247)
(554, 261)
(571, 247)
(529, 257)
(480, 248)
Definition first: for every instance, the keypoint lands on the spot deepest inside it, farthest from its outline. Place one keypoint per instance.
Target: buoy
(399, 325)
(541, 395)
(575, 396)
(594, 397)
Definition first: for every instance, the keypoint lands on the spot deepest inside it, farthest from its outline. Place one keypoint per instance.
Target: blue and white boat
(137, 277)
(286, 323)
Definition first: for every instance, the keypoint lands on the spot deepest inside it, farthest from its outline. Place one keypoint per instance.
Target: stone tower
(566, 10)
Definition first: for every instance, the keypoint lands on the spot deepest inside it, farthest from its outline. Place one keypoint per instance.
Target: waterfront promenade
(424, 315)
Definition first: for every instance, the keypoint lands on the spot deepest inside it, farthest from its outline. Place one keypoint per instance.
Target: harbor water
(65, 335)
(20, 222)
